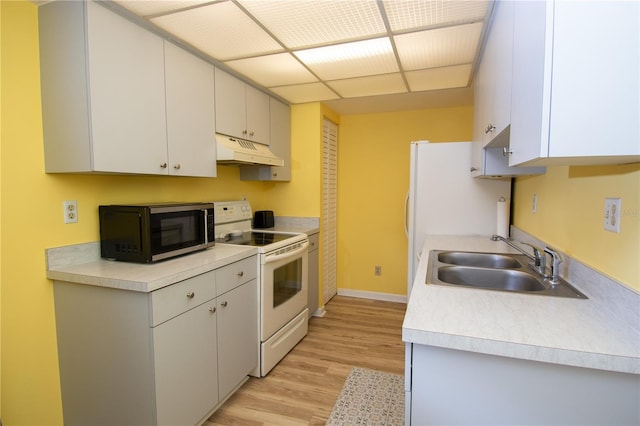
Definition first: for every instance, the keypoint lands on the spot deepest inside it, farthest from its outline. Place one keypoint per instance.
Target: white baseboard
(387, 297)
(317, 313)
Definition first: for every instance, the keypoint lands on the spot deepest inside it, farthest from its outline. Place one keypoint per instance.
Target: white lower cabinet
(186, 366)
(168, 357)
(314, 278)
(448, 386)
(237, 335)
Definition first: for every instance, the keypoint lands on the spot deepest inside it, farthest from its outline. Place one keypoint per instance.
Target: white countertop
(138, 276)
(567, 331)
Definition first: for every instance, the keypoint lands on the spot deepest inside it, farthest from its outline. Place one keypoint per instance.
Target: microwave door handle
(275, 258)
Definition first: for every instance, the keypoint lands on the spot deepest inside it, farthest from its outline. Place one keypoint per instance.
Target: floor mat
(369, 397)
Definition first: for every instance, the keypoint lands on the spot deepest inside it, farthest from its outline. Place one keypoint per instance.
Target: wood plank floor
(303, 387)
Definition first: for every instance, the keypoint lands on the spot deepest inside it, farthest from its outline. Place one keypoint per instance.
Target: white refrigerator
(444, 199)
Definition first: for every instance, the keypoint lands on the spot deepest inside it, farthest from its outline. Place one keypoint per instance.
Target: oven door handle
(275, 258)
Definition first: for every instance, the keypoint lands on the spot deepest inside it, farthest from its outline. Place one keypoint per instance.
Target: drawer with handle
(175, 299)
(235, 274)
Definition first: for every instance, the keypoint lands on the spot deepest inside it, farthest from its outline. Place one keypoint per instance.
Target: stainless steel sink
(499, 279)
(492, 271)
(482, 260)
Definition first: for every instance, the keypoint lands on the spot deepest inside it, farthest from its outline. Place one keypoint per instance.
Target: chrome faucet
(539, 259)
(556, 259)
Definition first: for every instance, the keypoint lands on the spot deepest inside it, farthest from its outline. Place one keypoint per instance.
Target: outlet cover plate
(612, 209)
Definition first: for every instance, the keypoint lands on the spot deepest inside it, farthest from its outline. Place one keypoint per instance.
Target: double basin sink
(493, 271)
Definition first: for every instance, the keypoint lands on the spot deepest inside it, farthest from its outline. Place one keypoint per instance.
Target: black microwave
(151, 232)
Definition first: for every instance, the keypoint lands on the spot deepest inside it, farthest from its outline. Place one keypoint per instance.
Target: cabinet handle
(241, 274)
(212, 309)
(275, 175)
(190, 295)
(244, 132)
(163, 165)
(177, 166)
(490, 128)
(251, 133)
(224, 304)
(505, 151)
(473, 169)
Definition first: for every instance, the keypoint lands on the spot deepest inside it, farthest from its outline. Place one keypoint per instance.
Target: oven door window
(176, 230)
(287, 282)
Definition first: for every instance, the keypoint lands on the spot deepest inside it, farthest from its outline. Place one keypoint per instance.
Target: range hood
(235, 151)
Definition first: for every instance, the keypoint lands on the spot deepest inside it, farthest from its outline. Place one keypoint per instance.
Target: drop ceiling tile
(155, 7)
(385, 84)
(303, 23)
(273, 70)
(303, 93)
(439, 78)
(220, 30)
(348, 60)
(438, 47)
(412, 14)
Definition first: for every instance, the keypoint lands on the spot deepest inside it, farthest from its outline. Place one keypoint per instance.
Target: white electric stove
(282, 279)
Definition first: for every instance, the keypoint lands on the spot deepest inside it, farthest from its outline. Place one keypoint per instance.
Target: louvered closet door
(329, 206)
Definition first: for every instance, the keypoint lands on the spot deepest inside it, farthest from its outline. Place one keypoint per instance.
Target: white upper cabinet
(241, 110)
(190, 113)
(105, 105)
(494, 83)
(103, 100)
(280, 131)
(492, 100)
(575, 97)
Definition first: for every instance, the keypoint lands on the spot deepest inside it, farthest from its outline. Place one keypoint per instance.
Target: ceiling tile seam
(482, 40)
(286, 48)
(165, 35)
(181, 9)
(385, 20)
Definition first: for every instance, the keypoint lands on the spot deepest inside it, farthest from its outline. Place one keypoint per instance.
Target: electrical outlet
(612, 209)
(70, 210)
(378, 270)
(534, 204)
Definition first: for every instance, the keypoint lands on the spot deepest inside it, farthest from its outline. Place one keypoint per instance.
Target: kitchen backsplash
(615, 298)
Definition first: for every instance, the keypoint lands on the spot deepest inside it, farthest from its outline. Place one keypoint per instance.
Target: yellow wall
(373, 179)
(31, 221)
(570, 214)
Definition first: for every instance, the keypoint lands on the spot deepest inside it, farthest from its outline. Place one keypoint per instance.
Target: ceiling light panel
(303, 93)
(303, 23)
(369, 86)
(221, 30)
(439, 47)
(439, 78)
(273, 70)
(348, 60)
(412, 14)
(153, 7)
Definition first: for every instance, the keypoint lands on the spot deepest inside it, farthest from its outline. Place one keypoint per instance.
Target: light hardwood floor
(303, 387)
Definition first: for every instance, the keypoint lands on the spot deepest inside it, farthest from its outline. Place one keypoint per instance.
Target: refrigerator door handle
(406, 213)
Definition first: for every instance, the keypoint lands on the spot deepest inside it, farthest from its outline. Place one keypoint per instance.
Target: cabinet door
(501, 46)
(127, 99)
(314, 254)
(280, 130)
(231, 105)
(186, 365)
(257, 116)
(595, 107)
(190, 114)
(237, 335)
(531, 91)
